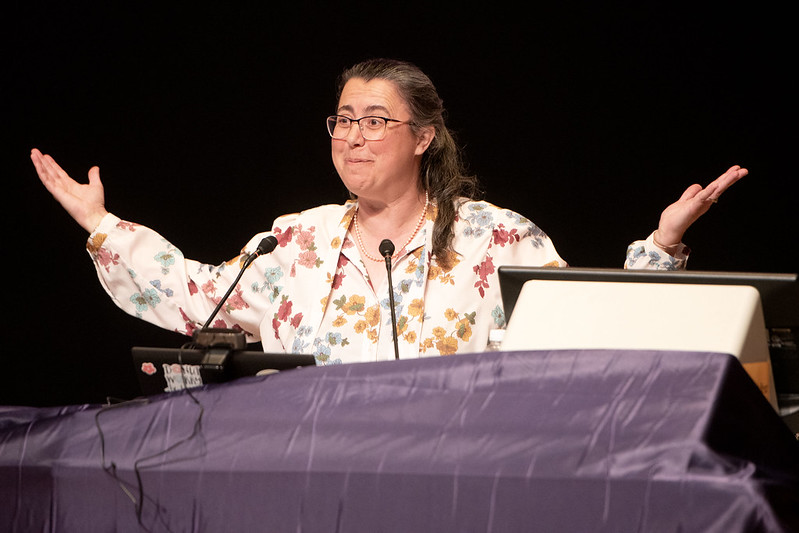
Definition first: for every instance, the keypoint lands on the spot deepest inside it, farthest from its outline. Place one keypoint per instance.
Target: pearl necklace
(415, 231)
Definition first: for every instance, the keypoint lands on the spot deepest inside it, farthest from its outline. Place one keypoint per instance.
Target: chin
(354, 185)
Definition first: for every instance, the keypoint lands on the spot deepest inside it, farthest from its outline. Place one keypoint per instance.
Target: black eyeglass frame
(332, 120)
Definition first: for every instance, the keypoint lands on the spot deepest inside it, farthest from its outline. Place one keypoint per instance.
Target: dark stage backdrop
(207, 123)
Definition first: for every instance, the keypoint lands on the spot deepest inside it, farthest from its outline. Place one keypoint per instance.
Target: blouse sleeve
(148, 277)
(646, 255)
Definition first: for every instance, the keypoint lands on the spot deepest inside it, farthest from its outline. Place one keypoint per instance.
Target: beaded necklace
(415, 231)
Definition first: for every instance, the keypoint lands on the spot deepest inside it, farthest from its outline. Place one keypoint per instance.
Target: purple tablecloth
(546, 441)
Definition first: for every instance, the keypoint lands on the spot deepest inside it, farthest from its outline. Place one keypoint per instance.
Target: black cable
(128, 488)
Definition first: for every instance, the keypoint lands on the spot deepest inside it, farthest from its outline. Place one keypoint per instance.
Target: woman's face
(381, 170)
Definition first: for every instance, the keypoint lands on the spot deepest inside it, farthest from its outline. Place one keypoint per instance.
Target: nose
(354, 136)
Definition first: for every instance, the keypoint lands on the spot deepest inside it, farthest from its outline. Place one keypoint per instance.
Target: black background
(207, 123)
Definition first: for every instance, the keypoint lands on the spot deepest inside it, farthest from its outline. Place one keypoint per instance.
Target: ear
(426, 136)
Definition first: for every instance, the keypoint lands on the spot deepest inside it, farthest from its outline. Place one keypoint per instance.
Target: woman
(324, 289)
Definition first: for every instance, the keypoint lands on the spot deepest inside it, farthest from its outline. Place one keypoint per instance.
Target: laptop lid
(162, 370)
(779, 293)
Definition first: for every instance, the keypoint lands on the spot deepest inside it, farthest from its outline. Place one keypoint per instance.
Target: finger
(723, 182)
(94, 177)
(732, 175)
(43, 169)
(59, 182)
(709, 193)
(36, 159)
(55, 168)
(691, 192)
(47, 166)
(38, 162)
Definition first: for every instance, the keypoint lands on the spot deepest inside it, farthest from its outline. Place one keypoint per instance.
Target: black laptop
(161, 370)
(779, 297)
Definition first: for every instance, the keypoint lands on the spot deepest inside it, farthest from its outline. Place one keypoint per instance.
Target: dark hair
(442, 173)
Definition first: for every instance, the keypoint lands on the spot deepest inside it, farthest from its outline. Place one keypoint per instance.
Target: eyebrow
(369, 109)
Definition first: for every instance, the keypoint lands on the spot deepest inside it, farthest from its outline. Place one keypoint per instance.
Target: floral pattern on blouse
(312, 293)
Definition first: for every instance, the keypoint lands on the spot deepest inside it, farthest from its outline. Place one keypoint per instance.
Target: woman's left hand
(693, 203)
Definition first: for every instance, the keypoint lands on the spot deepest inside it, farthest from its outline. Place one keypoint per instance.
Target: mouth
(356, 160)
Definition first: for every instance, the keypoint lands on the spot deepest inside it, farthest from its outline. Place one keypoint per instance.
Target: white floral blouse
(312, 295)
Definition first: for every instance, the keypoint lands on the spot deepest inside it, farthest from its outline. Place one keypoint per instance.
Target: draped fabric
(600, 440)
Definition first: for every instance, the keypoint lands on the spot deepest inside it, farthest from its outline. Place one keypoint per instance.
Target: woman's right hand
(85, 202)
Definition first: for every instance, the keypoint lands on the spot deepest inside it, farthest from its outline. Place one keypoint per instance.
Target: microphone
(266, 246)
(387, 250)
(220, 341)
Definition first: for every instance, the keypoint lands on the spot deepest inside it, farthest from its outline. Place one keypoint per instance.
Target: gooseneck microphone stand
(387, 250)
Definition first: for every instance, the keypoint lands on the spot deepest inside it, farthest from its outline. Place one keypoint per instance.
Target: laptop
(775, 306)
(161, 370)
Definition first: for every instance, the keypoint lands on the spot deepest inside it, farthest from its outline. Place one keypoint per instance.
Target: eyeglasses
(372, 128)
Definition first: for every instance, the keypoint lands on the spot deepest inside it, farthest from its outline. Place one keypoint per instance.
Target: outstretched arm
(693, 203)
(85, 202)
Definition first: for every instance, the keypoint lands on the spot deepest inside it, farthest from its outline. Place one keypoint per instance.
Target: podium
(550, 440)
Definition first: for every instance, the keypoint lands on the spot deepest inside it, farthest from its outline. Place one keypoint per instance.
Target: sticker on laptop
(148, 368)
(181, 377)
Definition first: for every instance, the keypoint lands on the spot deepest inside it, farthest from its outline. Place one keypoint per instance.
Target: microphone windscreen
(386, 248)
(266, 245)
